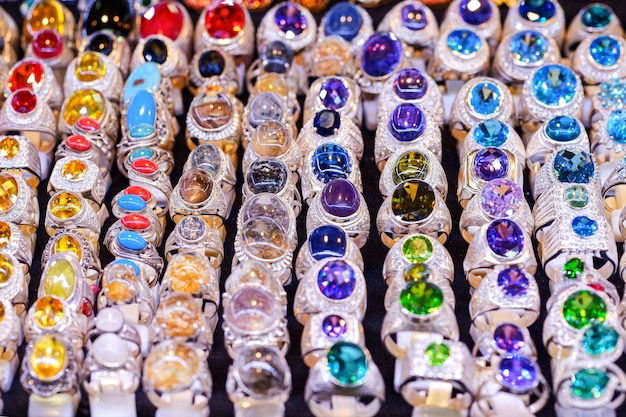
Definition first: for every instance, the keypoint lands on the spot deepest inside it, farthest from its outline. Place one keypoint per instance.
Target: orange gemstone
(68, 243)
(45, 14)
(179, 315)
(48, 357)
(274, 83)
(120, 291)
(27, 74)
(171, 366)
(5, 234)
(74, 170)
(195, 186)
(65, 205)
(48, 311)
(8, 192)
(9, 147)
(89, 67)
(6, 268)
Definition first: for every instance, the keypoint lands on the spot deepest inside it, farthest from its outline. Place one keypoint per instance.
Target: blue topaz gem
(599, 339)
(407, 122)
(334, 93)
(211, 63)
(605, 50)
(485, 98)
(145, 77)
(131, 241)
(130, 202)
(277, 57)
(290, 20)
(563, 129)
(528, 47)
(537, 11)
(616, 126)
(583, 226)
(141, 115)
(330, 161)
(267, 175)
(413, 17)
(596, 16)
(343, 19)
(336, 280)
(381, 54)
(573, 166)
(475, 12)
(141, 153)
(327, 241)
(464, 42)
(491, 133)
(326, 122)
(554, 85)
(130, 263)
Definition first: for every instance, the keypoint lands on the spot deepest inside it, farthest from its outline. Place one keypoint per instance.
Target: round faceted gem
(417, 249)
(59, 278)
(596, 16)
(266, 175)
(47, 14)
(102, 42)
(6, 268)
(49, 312)
(144, 166)
(518, 373)
(65, 205)
(528, 47)
(554, 85)
(437, 353)
(509, 338)
(252, 310)
(135, 190)
(166, 18)
(211, 64)
(501, 198)
(589, 383)
(78, 143)
(340, 198)
(343, 19)
(491, 163)
(195, 186)
(599, 339)
(330, 161)
(84, 103)
(23, 101)
(336, 280)
(131, 241)
(573, 166)
(135, 221)
(463, 42)
(407, 122)
(485, 98)
(327, 241)
(131, 203)
(563, 128)
(9, 147)
(145, 153)
(68, 244)
(212, 111)
(74, 170)
(334, 326)
(573, 268)
(605, 50)
(505, 238)
(5, 234)
(513, 282)
(89, 67)
(491, 133)
(262, 370)
(27, 74)
(224, 20)
(8, 192)
(47, 44)
(616, 126)
(413, 17)
(326, 122)
(88, 124)
(413, 201)
(475, 12)
(421, 298)
(265, 239)
(290, 20)
(263, 107)
(334, 93)
(583, 226)
(117, 16)
(155, 50)
(347, 363)
(171, 366)
(416, 272)
(410, 84)
(277, 57)
(583, 308)
(381, 54)
(537, 11)
(48, 357)
(410, 165)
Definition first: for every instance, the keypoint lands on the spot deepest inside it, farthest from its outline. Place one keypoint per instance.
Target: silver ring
(460, 54)
(593, 19)
(91, 103)
(15, 290)
(23, 207)
(607, 395)
(607, 143)
(19, 244)
(337, 93)
(75, 243)
(206, 63)
(413, 273)
(492, 133)
(47, 87)
(172, 62)
(547, 18)
(131, 246)
(380, 57)
(263, 107)
(193, 234)
(330, 126)
(254, 274)
(485, 19)
(274, 27)
(70, 285)
(197, 194)
(21, 157)
(269, 175)
(79, 176)
(273, 139)
(93, 70)
(505, 338)
(115, 47)
(599, 58)
(417, 163)
(346, 12)
(50, 315)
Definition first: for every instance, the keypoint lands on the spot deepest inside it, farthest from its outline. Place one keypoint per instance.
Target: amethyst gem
(407, 122)
(491, 163)
(410, 84)
(414, 17)
(336, 280)
(381, 54)
(509, 338)
(334, 326)
(333, 93)
(340, 198)
(475, 12)
(517, 373)
(501, 198)
(513, 282)
(505, 238)
(290, 19)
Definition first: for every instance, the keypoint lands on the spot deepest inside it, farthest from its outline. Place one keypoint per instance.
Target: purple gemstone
(475, 12)
(381, 54)
(340, 198)
(410, 84)
(517, 373)
(513, 282)
(505, 238)
(509, 337)
(407, 122)
(334, 326)
(491, 163)
(336, 280)
(414, 17)
(290, 19)
(501, 198)
(333, 93)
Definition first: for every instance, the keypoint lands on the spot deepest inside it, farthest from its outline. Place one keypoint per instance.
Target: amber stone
(48, 357)
(90, 66)
(212, 111)
(68, 243)
(74, 170)
(119, 291)
(195, 186)
(6, 268)
(84, 103)
(5, 234)
(9, 147)
(48, 311)
(65, 205)
(271, 139)
(8, 192)
(179, 316)
(46, 14)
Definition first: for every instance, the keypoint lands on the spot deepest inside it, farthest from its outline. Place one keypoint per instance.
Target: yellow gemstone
(120, 291)
(171, 366)
(70, 244)
(74, 170)
(48, 357)
(65, 205)
(5, 234)
(179, 316)
(46, 14)
(8, 191)
(60, 279)
(89, 67)
(84, 103)
(9, 147)
(48, 311)
(273, 83)
(6, 268)
(2, 312)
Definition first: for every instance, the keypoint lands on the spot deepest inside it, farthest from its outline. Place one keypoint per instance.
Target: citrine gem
(8, 191)
(74, 170)
(65, 205)
(48, 311)
(5, 234)
(9, 147)
(6, 268)
(46, 14)
(60, 279)
(89, 67)
(84, 103)
(120, 292)
(70, 244)
(48, 357)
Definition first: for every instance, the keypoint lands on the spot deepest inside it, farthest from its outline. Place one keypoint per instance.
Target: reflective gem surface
(333, 93)
(513, 282)
(596, 16)
(117, 16)
(47, 44)
(501, 198)
(413, 17)
(475, 12)
(554, 85)
(421, 298)
(463, 42)
(334, 326)
(211, 63)
(599, 339)
(563, 128)
(327, 241)
(573, 166)
(605, 50)
(164, 18)
(290, 20)
(589, 383)
(340, 198)
(505, 238)
(583, 308)
(195, 186)
(343, 19)
(491, 163)
(528, 48)
(410, 84)
(616, 126)
(336, 280)
(59, 279)
(410, 165)
(65, 205)
(224, 19)
(437, 353)
(583, 226)
(518, 373)
(509, 338)
(417, 249)
(84, 103)
(485, 98)
(155, 50)
(407, 122)
(537, 11)
(266, 175)
(413, 201)
(27, 74)
(48, 357)
(326, 122)
(381, 54)
(347, 363)
(491, 133)
(330, 161)
(49, 312)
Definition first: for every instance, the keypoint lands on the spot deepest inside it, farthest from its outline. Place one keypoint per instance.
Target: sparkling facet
(437, 353)
(463, 42)
(583, 226)
(501, 198)
(27, 74)
(616, 126)
(290, 20)
(23, 101)
(421, 298)
(528, 47)
(554, 85)
(509, 337)
(59, 279)
(513, 282)
(8, 192)
(605, 50)
(224, 19)
(596, 16)
(599, 339)
(347, 363)
(573, 166)
(583, 308)
(413, 201)
(334, 93)
(491, 163)
(334, 326)
(517, 372)
(5, 234)
(416, 272)
(505, 238)
(417, 249)
(537, 11)
(9, 147)
(84, 103)
(48, 312)
(485, 98)
(590, 383)
(573, 268)
(74, 170)
(491, 133)
(336, 280)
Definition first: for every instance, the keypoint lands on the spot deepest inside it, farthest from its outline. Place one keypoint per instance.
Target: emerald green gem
(417, 249)
(576, 197)
(589, 383)
(347, 363)
(599, 339)
(437, 353)
(421, 298)
(410, 165)
(582, 308)
(573, 268)
(416, 272)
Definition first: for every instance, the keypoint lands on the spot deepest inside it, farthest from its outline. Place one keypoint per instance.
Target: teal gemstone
(612, 94)
(599, 339)
(573, 166)
(491, 133)
(589, 384)
(528, 47)
(485, 98)
(616, 126)
(554, 85)
(596, 16)
(131, 241)
(146, 77)
(464, 42)
(141, 153)
(347, 363)
(141, 115)
(537, 11)
(563, 128)
(605, 50)
(132, 264)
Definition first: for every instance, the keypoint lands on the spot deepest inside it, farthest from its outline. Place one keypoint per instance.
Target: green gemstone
(573, 268)
(589, 383)
(421, 298)
(347, 363)
(437, 353)
(410, 165)
(413, 201)
(582, 308)
(599, 339)
(576, 197)
(416, 272)
(417, 249)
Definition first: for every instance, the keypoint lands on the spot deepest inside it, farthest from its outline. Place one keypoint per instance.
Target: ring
(122, 20)
(19, 156)
(593, 19)
(263, 107)
(146, 122)
(269, 175)
(323, 330)
(52, 315)
(380, 57)
(495, 134)
(79, 176)
(93, 70)
(254, 274)
(138, 200)
(90, 129)
(12, 334)
(288, 22)
(501, 340)
(502, 242)
(273, 207)
(110, 320)
(414, 164)
(484, 18)
(273, 139)
(21, 207)
(330, 126)
(212, 65)
(276, 58)
(414, 273)
(36, 75)
(569, 165)
(460, 54)
(146, 174)
(15, 290)
(349, 21)
(171, 60)
(212, 159)
(130, 245)
(327, 57)
(80, 147)
(599, 58)
(148, 77)
(180, 24)
(480, 99)
(340, 204)
(571, 389)
(93, 104)
(546, 17)
(151, 232)
(41, 16)
(106, 43)
(161, 158)
(75, 243)
(63, 277)
(18, 244)
(337, 93)
(192, 234)
(607, 141)
(277, 83)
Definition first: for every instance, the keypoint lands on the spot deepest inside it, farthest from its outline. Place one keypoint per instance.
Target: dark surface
(16, 399)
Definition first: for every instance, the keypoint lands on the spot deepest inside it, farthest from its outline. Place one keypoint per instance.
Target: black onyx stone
(102, 42)
(266, 175)
(155, 51)
(117, 16)
(326, 122)
(211, 64)
(277, 57)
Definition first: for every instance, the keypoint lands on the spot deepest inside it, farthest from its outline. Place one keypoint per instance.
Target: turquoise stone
(146, 77)
(563, 128)
(131, 202)
(347, 363)
(596, 16)
(141, 115)
(605, 50)
(589, 383)
(141, 153)
(554, 85)
(616, 126)
(583, 226)
(485, 98)
(491, 133)
(130, 263)
(599, 339)
(131, 241)
(464, 42)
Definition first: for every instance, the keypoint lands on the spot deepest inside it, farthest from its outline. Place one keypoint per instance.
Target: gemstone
(334, 326)
(347, 363)
(485, 98)
(413, 17)
(264, 238)
(208, 158)
(77, 143)
(410, 165)
(65, 205)
(327, 241)
(9, 147)
(141, 115)
(84, 103)
(155, 50)
(270, 82)
(513, 282)
(128, 263)
(509, 338)
(195, 186)
(563, 128)
(145, 77)
(334, 93)
(517, 373)
(599, 339)
(9, 191)
(491, 163)
(464, 42)
(89, 67)
(266, 175)
(410, 84)
(101, 42)
(501, 198)
(573, 268)
(616, 126)
(224, 19)
(117, 16)
(144, 166)
(212, 110)
(179, 316)
(554, 85)
(138, 191)
(131, 202)
(262, 370)
(330, 161)
(605, 50)
(191, 228)
(290, 20)
(573, 166)
(139, 153)
(47, 44)
(413, 201)
(416, 272)
(343, 19)
(407, 122)
(336, 280)
(59, 278)
(491, 133)
(263, 107)
(437, 353)
(537, 11)
(23, 101)
(171, 366)
(135, 221)
(49, 312)
(505, 238)
(277, 57)
(417, 249)
(74, 170)
(26, 74)
(421, 298)
(68, 244)
(583, 226)
(131, 241)
(266, 205)
(326, 122)
(583, 308)
(596, 16)
(5, 234)
(340, 198)
(88, 124)
(211, 63)
(528, 48)
(48, 357)
(166, 18)
(6, 268)
(46, 14)
(589, 383)
(475, 12)
(381, 54)
(252, 310)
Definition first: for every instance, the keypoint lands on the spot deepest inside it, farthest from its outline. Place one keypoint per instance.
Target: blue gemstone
(517, 373)
(537, 11)
(528, 47)
(583, 226)
(277, 57)
(410, 84)
(573, 166)
(513, 282)
(327, 241)
(336, 280)
(129, 263)
(334, 326)
(613, 93)
(131, 240)
(290, 19)
(145, 77)
(464, 42)
(563, 128)
(381, 54)
(414, 17)
(326, 122)
(616, 126)
(475, 12)
(211, 63)
(554, 85)
(131, 202)
(141, 115)
(407, 122)
(334, 93)
(141, 153)
(491, 163)
(485, 98)
(491, 133)
(605, 50)
(596, 16)
(330, 161)
(343, 19)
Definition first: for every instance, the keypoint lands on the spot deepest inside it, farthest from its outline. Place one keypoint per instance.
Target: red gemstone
(87, 308)
(78, 143)
(135, 222)
(140, 192)
(27, 74)
(224, 20)
(88, 124)
(145, 166)
(165, 19)
(23, 101)
(596, 286)
(47, 43)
